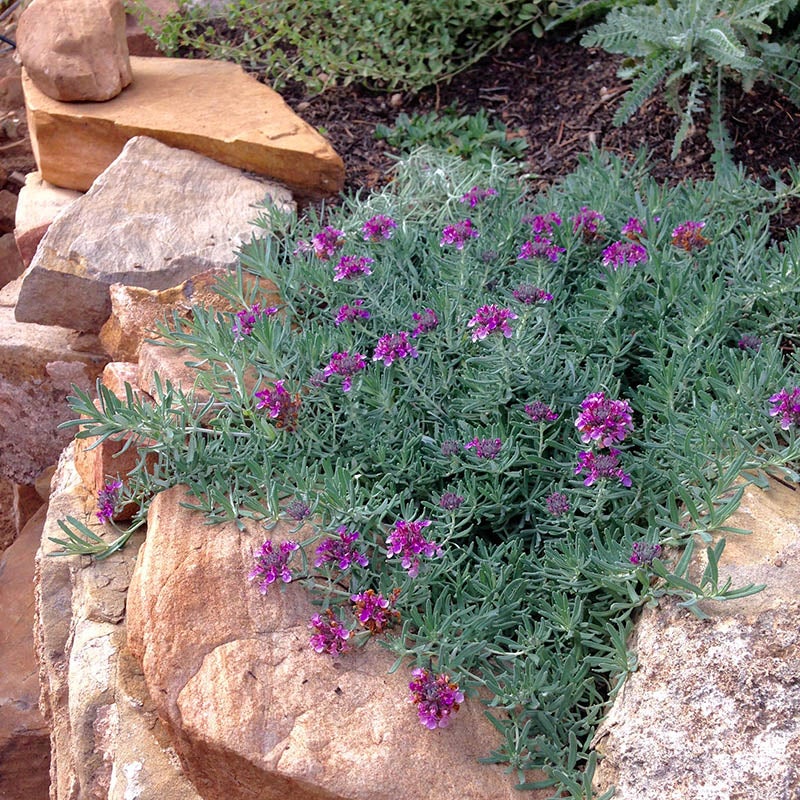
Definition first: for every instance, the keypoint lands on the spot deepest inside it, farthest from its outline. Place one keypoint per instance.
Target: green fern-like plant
(692, 47)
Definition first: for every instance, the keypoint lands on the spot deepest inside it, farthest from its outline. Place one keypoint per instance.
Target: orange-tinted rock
(8, 210)
(75, 50)
(210, 107)
(11, 265)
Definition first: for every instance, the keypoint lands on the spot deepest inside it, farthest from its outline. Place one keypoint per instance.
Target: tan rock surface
(253, 711)
(24, 737)
(11, 264)
(75, 50)
(210, 107)
(156, 217)
(714, 708)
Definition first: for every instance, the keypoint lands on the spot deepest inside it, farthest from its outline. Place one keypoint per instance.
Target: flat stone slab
(211, 107)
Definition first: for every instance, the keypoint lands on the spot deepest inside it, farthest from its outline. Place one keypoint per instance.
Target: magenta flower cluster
(603, 421)
(107, 499)
(426, 321)
(586, 223)
(485, 448)
(644, 553)
(330, 635)
(450, 501)
(528, 293)
(633, 229)
(394, 346)
(786, 405)
(540, 412)
(281, 405)
(272, 564)
(543, 223)
(458, 234)
(378, 227)
(601, 465)
(436, 697)
(489, 318)
(688, 236)
(476, 195)
(341, 550)
(348, 313)
(245, 320)
(346, 366)
(350, 267)
(540, 246)
(408, 542)
(749, 342)
(624, 254)
(557, 504)
(375, 612)
(327, 242)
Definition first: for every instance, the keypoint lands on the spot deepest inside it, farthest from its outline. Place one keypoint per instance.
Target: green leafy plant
(693, 47)
(502, 415)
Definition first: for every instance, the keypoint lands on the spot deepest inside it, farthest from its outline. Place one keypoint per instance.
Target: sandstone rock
(38, 205)
(11, 265)
(8, 210)
(75, 50)
(714, 708)
(24, 737)
(156, 217)
(38, 367)
(139, 42)
(211, 107)
(253, 711)
(106, 741)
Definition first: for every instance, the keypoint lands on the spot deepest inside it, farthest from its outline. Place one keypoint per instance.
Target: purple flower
(687, 236)
(436, 697)
(786, 403)
(426, 321)
(450, 447)
(633, 229)
(282, 406)
(477, 195)
(246, 319)
(528, 293)
(298, 510)
(341, 550)
(378, 227)
(458, 233)
(540, 412)
(107, 499)
(586, 223)
(394, 346)
(345, 365)
(557, 504)
(624, 254)
(348, 313)
(485, 448)
(350, 267)
(327, 242)
(489, 318)
(450, 501)
(749, 342)
(543, 223)
(374, 611)
(330, 636)
(541, 247)
(270, 564)
(643, 553)
(601, 465)
(604, 421)
(407, 541)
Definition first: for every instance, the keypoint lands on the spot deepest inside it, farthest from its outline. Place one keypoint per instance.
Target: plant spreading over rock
(495, 411)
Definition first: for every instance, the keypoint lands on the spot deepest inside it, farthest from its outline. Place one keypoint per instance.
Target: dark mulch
(561, 97)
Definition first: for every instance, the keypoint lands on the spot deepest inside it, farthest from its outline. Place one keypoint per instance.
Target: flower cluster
(436, 697)
(346, 366)
(687, 236)
(477, 195)
(426, 321)
(557, 504)
(350, 267)
(348, 313)
(374, 611)
(408, 542)
(271, 564)
(450, 501)
(633, 229)
(490, 318)
(245, 320)
(749, 342)
(528, 293)
(624, 254)
(540, 412)
(540, 246)
(450, 447)
(394, 346)
(298, 510)
(643, 553)
(604, 421)
(786, 404)
(341, 550)
(485, 448)
(282, 406)
(586, 223)
(323, 244)
(330, 635)
(543, 223)
(107, 499)
(601, 465)
(378, 227)
(458, 234)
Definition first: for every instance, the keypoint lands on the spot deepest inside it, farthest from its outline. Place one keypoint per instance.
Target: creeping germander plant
(486, 479)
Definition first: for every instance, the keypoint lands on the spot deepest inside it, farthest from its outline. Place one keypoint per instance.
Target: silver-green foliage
(692, 47)
(529, 611)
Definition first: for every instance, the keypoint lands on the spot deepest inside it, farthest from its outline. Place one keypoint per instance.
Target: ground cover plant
(501, 411)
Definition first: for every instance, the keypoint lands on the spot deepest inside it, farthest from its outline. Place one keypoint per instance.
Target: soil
(558, 95)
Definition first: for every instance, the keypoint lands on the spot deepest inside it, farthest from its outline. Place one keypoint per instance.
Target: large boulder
(253, 711)
(75, 50)
(211, 107)
(713, 710)
(156, 217)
